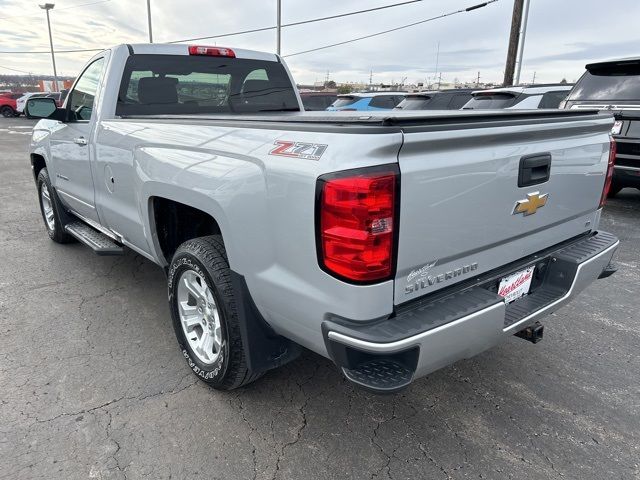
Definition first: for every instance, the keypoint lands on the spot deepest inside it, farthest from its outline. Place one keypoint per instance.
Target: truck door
(71, 147)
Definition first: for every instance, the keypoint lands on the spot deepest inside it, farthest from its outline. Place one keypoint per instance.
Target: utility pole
(279, 26)
(149, 21)
(437, 60)
(514, 39)
(523, 34)
(370, 78)
(534, 78)
(47, 7)
(478, 80)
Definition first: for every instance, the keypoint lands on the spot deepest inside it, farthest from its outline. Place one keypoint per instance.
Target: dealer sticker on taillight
(516, 285)
(617, 127)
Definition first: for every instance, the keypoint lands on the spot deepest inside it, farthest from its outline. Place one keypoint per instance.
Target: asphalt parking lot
(92, 384)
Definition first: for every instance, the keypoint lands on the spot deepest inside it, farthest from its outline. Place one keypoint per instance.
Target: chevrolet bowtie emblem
(531, 204)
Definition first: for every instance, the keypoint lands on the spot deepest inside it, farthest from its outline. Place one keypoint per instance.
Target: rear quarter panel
(264, 204)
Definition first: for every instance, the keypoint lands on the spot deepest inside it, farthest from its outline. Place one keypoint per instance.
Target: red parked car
(8, 104)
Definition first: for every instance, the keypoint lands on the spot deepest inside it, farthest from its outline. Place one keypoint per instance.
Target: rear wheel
(204, 314)
(7, 111)
(53, 214)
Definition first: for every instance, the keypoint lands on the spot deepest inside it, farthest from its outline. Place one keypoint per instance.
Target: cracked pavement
(92, 384)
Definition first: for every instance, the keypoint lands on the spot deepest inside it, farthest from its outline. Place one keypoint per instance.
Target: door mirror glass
(41, 107)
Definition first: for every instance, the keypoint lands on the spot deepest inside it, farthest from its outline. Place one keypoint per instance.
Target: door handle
(80, 141)
(534, 169)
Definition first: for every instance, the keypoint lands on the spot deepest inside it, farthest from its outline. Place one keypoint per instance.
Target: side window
(258, 74)
(553, 99)
(384, 101)
(439, 102)
(458, 101)
(83, 95)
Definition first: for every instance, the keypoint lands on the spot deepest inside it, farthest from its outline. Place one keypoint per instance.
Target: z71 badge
(308, 151)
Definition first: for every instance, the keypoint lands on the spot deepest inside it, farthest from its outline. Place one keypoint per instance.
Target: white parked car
(519, 98)
(22, 101)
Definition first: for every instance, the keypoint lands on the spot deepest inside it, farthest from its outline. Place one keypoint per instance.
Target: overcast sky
(562, 35)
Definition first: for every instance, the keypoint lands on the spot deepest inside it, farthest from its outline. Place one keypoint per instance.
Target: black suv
(615, 86)
(449, 99)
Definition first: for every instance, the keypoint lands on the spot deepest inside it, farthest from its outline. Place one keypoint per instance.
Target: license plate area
(516, 285)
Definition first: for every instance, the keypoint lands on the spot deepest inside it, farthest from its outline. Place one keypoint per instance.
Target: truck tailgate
(459, 193)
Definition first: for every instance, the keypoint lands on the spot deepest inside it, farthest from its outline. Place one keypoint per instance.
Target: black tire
(207, 257)
(7, 112)
(60, 216)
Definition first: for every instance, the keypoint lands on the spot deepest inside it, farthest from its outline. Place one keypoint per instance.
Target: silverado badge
(531, 204)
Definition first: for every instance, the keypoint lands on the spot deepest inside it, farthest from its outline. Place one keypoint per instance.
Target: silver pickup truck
(393, 243)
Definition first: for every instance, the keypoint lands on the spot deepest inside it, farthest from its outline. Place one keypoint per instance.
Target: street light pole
(47, 7)
(149, 20)
(523, 33)
(279, 27)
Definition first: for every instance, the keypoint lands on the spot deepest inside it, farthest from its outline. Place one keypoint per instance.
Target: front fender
(40, 146)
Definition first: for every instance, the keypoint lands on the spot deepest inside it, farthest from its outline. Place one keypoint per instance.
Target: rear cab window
(415, 102)
(345, 101)
(317, 102)
(385, 101)
(619, 82)
(482, 101)
(459, 100)
(553, 99)
(181, 84)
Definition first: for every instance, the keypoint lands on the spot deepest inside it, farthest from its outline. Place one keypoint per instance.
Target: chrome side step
(92, 238)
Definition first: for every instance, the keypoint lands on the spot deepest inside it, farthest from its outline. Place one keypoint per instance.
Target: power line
(243, 32)
(58, 9)
(14, 70)
(302, 22)
(413, 24)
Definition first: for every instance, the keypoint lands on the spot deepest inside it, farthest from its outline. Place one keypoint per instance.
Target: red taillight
(609, 177)
(357, 222)
(211, 51)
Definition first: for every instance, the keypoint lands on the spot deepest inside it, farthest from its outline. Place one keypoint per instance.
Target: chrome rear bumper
(435, 334)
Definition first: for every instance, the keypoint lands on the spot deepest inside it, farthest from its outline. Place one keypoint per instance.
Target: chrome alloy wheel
(199, 317)
(47, 207)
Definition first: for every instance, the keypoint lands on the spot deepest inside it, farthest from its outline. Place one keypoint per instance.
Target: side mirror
(41, 107)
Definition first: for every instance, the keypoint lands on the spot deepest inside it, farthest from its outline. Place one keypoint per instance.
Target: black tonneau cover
(388, 119)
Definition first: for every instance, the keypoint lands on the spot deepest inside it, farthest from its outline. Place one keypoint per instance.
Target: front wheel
(204, 314)
(52, 210)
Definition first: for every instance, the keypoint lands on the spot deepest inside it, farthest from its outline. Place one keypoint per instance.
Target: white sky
(562, 35)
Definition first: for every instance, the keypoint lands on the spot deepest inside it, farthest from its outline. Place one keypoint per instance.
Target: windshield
(344, 101)
(618, 82)
(485, 101)
(181, 84)
(414, 103)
